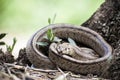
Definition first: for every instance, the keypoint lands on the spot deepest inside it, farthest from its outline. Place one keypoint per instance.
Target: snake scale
(78, 33)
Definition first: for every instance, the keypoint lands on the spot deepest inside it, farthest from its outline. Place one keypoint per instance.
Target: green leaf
(49, 20)
(2, 35)
(2, 43)
(42, 43)
(72, 42)
(50, 35)
(56, 39)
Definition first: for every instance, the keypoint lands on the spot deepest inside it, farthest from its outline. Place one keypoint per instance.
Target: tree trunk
(106, 21)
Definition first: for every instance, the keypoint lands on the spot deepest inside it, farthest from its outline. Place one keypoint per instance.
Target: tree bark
(106, 21)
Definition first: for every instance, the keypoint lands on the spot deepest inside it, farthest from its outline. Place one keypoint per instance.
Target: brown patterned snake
(77, 33)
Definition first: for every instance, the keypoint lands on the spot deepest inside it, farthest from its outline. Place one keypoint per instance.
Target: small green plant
(50, 37)
(9, 47)
(2, 35)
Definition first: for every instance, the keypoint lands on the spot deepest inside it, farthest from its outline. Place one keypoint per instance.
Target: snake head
(65, 49)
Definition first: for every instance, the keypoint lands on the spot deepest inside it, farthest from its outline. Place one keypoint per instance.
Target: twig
(29, 68)
(8, 71)
(60, 70)
(41, 70)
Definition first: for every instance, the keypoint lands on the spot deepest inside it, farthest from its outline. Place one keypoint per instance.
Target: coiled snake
(78, 33)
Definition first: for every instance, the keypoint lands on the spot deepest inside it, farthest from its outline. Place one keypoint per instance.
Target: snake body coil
(80, 34)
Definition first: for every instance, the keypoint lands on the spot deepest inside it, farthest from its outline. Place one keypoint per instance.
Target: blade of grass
(50, 35)
(13, 45)
(2, 35)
